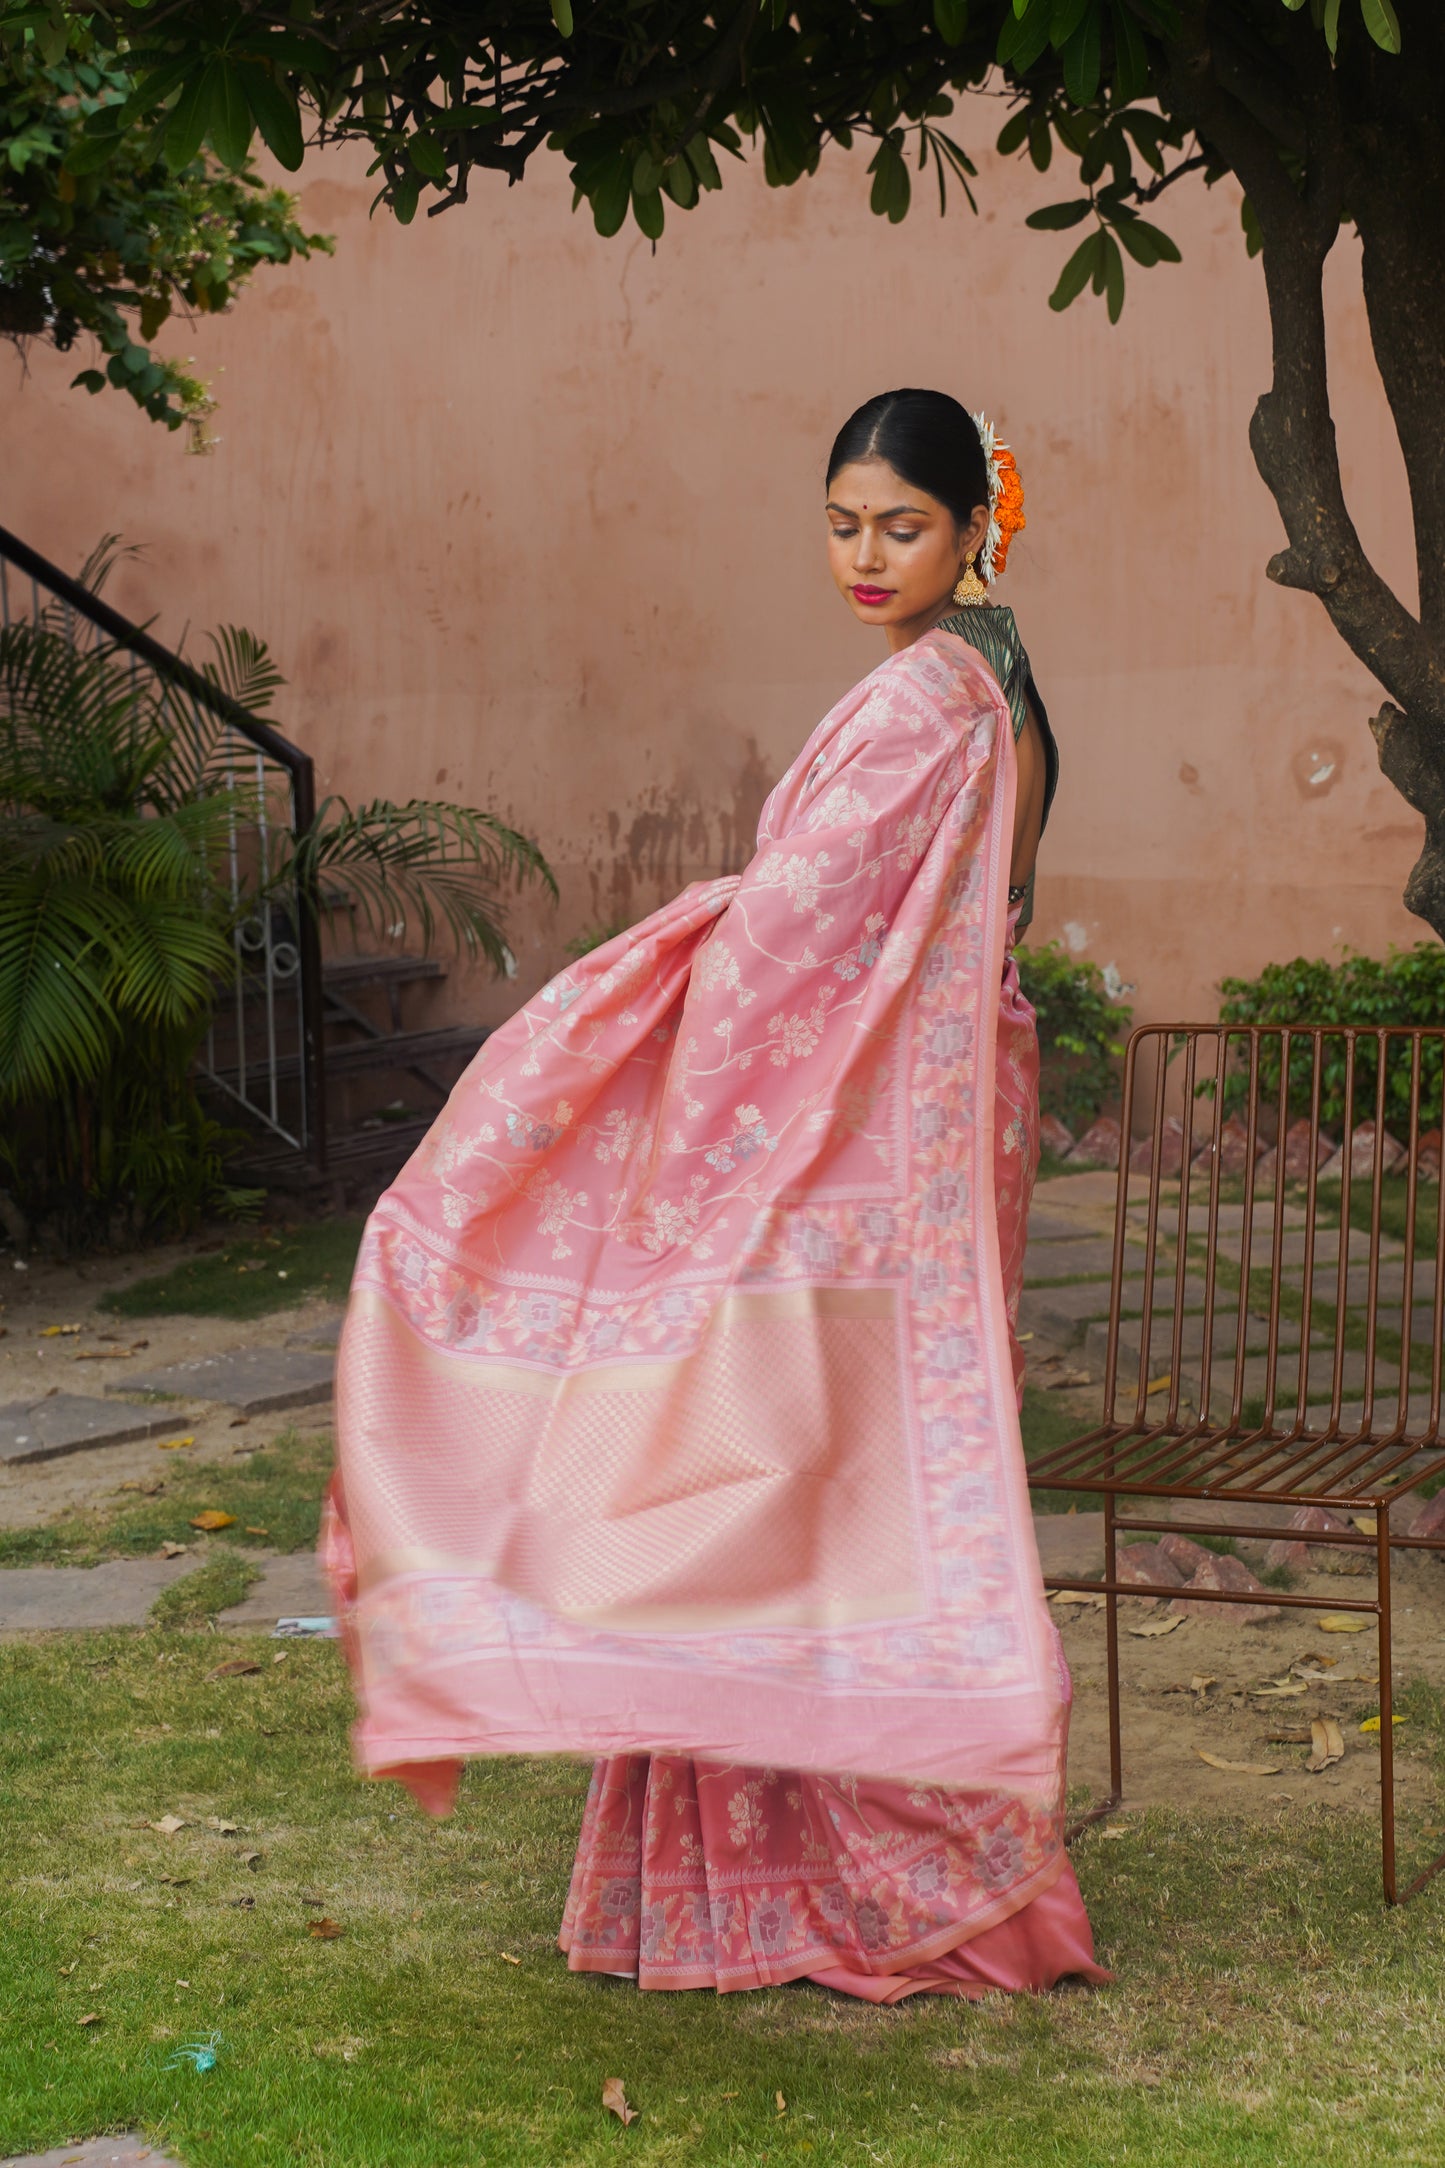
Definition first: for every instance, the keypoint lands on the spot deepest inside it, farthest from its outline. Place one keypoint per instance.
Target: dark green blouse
(990, 628)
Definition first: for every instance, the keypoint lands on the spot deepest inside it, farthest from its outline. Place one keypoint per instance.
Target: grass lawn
(1267, 2011)
(275, 1495)
(250, 1276)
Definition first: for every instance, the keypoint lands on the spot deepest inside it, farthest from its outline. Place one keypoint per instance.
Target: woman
(677, 1408)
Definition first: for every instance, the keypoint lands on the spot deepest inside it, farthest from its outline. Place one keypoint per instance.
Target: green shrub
(1407, 987)
(1081, 1030)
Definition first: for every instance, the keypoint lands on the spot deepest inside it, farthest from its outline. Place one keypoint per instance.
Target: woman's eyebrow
(914, 510)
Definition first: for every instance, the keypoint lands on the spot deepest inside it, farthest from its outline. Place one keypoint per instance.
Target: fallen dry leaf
(172, 1550)
(1297, 1735)
(1161, 1385)
(1112, 1833)
(222, 1829)
(211, 1519)
(325, 1930)
(167, 1825)
(1077, 1595)
(507, 1958)
(238, 1422)
(147, 1485)
(174, 1445)
(1148, 1628)
(1200, 1685)
(238, 1668)
(1066, 1377)
(92, 2017)
(258, 1531)
(1240, 1768)
(1372, 1723)
(104, 1355)
(1281, 1690)
(53, 1332)
(782, 2104)
(280, 1656)
(1367, 1523)
(1344, 1622)
(1328, 1743)
(614, 2099)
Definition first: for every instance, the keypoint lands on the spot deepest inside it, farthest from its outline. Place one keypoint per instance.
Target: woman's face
(896, 553)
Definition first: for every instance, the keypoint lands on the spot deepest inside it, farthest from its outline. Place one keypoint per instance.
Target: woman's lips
(870, 597)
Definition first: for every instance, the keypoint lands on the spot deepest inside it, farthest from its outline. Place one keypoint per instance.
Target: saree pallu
(677, 1398)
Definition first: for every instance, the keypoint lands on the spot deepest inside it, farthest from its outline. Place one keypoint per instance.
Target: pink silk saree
(677, 1400)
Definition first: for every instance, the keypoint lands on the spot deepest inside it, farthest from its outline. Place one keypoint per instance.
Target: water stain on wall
(678, 833)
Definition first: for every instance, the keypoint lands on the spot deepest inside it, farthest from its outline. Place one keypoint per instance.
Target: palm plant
(130, 855)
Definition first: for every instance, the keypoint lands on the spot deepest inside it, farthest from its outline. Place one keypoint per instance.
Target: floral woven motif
(677, 1400)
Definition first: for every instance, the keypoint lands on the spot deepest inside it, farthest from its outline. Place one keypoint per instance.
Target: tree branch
(1292, 433)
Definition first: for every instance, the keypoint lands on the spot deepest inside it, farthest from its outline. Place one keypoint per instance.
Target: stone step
(60, 1423)
(256, 1380)
(120, 1592)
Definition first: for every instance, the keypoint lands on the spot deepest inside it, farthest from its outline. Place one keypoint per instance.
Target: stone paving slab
(257, 1380)
(291, 1587)
(59, 1423)
(1058, 1312)
(126, 2151)
(65, 1599)
(324, 1334)
(70, 1599)
(1046, 1226)
(1069, 1260)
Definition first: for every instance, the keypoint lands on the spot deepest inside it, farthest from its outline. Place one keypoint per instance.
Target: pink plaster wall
(533, 520)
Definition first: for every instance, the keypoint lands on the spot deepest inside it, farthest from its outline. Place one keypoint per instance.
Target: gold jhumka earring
(970, 588)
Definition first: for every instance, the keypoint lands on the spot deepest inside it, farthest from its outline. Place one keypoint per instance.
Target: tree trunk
(1364, 144)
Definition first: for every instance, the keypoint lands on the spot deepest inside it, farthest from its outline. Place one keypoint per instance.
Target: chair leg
(1111, 1630)
(1387, 1709)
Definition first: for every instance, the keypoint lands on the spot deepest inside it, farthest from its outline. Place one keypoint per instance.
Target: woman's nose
(866, 557)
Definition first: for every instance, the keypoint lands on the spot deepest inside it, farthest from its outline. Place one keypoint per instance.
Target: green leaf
(1165, 249)
(610, 198)
(405, 195)
(230, 126)
(1041, 142)
(681, 183)
(275, 112)
(427, 155)
(951, 17)
(1065, 20)
(1024, 36)
(1253, 237)
(1131, 58)
(562, 16)
(699, 154)
(647, 210)
(1332, 23)
(1014, 131)
(1055, 217)
(190, 115)
(1113, 276)
(1077, 272)
(1382, 23)
(89, 380)
(1082, 58)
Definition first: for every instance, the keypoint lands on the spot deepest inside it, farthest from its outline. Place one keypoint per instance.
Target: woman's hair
(927, 438)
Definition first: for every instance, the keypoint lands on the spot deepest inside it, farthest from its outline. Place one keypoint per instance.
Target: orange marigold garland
(1005, 501)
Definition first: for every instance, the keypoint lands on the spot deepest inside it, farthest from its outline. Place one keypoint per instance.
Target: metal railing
(265, 1037)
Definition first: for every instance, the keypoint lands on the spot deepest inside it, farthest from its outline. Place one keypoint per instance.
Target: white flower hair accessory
(1005, 500)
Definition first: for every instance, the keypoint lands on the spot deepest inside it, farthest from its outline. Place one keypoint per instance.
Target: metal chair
(1299, 1337)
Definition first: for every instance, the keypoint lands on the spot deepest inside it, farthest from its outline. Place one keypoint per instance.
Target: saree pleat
(677, 1398)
